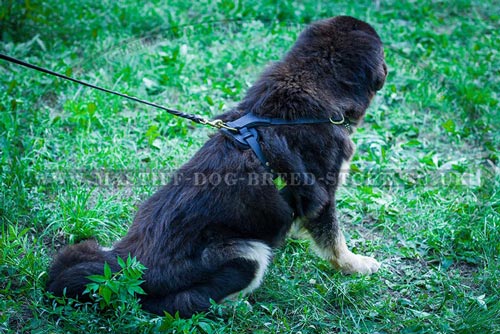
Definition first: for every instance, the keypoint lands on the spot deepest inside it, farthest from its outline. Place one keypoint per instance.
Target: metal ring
(337, 122)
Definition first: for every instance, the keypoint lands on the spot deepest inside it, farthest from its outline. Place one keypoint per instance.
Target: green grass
(423, 195)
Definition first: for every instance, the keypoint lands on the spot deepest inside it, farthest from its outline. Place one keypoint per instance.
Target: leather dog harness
(243, 131)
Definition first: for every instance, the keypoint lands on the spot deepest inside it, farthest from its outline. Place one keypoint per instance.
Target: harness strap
(243, 131)
(251, 120)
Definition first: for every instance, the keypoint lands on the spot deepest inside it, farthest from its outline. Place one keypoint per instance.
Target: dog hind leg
(242, 270)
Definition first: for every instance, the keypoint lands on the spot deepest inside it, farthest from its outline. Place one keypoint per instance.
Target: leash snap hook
(219, 124)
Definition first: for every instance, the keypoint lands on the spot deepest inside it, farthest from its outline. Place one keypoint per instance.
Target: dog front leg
(330, 244)
(350, 263)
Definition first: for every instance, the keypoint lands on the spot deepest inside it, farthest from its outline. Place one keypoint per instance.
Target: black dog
(203, 240)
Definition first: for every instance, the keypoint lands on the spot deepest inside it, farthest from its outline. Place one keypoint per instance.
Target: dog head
(333, 69)
(347, 57)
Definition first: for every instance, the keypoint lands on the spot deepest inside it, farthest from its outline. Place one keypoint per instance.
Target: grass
(423, 195)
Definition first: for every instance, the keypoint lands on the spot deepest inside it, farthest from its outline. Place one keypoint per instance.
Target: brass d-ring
(337, 122)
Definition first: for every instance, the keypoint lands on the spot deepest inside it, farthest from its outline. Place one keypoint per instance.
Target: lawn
(423, 195)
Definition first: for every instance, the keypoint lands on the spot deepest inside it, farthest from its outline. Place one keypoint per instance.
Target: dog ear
(364, 56)
(379, 77)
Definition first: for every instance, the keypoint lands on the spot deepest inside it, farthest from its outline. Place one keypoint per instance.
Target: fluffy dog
(202, 240)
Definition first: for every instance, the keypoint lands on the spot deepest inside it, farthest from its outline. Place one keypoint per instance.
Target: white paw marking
(259, 253)
(350, 263)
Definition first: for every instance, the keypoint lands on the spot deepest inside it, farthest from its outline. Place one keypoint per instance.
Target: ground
(422, 197)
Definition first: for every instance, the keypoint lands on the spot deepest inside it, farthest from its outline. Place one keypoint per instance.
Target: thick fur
(210, 240)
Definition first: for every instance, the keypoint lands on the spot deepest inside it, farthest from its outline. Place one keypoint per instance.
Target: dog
(202, 240)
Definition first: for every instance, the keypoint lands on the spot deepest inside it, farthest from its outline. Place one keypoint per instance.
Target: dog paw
(351, 263)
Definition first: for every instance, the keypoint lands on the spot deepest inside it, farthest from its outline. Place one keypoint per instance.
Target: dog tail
(74, 264)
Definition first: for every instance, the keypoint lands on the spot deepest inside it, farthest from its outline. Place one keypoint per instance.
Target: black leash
(243, 130)
(194, 118)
